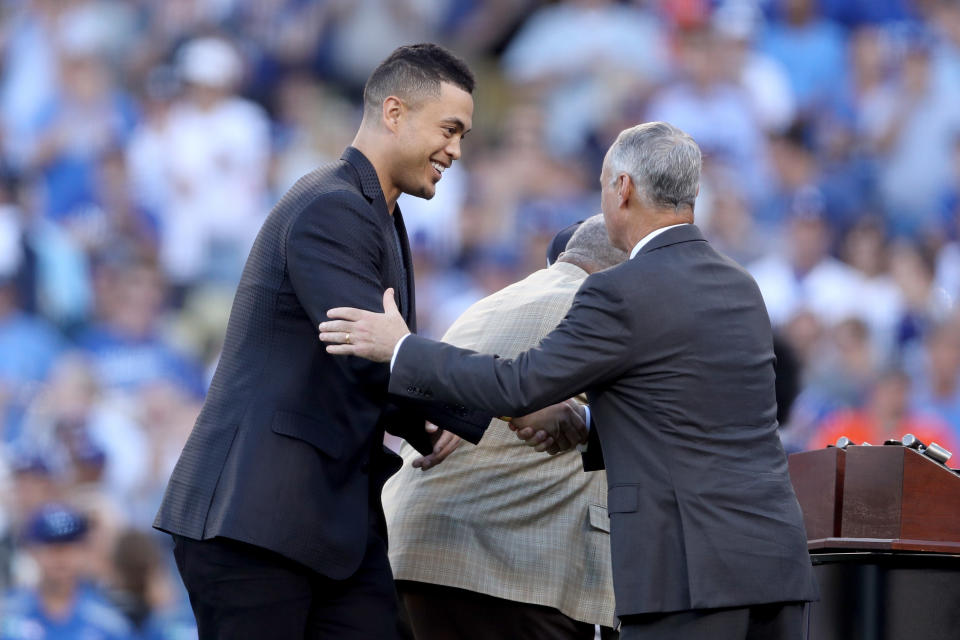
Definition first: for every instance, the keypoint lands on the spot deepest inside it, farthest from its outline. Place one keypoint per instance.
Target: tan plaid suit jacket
(499, 518)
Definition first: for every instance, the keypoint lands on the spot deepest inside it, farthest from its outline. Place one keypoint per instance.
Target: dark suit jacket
(287, 452)
(675, 351)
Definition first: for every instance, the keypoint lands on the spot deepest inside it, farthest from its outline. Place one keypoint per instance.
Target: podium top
(877, 498)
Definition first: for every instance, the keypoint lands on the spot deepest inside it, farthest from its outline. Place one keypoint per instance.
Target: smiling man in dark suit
(675, 351)
(275, 502)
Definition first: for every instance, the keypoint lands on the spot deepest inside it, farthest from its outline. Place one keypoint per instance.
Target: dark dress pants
(240, 591)
(776, 621)
(437, 612)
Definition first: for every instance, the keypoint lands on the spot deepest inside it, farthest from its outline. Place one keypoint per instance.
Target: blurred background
(142, 144)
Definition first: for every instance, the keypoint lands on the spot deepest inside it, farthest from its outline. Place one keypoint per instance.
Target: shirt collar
(568, 268)
(650, 236)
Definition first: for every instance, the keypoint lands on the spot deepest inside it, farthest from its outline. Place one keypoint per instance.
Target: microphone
(937, 453)
(843, 442)
(933, 450)
(913, 442)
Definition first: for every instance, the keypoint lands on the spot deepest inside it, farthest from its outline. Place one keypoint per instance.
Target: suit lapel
(406, 262)
(399, 266)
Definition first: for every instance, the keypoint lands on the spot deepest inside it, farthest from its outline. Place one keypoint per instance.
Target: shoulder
(610, 287)
(332, 208)
(327, 179)
(336, 217)
(328, 189)
(14, 602)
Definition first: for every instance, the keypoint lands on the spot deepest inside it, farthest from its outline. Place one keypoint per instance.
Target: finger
(336, 337)
(334, 326)
(342, 349)
(448, 447)
(424, 463)
(538, 438)
(346, 313)
(431, 428)
(526, 433)
(389, 304)
(443, 441)
(543, 446)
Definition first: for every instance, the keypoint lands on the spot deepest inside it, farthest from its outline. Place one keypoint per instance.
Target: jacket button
(365, 466)
(409, 389)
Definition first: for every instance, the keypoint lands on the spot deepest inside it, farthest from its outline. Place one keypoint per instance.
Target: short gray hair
(663, 162)
(591, 242)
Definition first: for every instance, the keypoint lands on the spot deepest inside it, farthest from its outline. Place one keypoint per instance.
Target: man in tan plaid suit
(467, 538)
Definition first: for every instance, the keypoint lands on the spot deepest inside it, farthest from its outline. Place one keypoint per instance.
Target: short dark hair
(415, 70)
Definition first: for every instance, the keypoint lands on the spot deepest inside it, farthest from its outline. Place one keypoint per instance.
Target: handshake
(554, 429)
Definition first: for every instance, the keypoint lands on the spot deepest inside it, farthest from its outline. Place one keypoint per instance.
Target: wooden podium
(883, 527)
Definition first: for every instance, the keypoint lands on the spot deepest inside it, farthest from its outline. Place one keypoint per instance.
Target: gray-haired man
(675, 352)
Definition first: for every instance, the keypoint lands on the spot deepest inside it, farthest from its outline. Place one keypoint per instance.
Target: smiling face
(428, 137)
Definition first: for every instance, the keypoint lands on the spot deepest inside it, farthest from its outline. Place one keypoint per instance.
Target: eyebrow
(458, 123)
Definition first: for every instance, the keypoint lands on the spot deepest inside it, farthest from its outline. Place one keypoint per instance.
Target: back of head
(589, 247)
(414, 72)
(559, 243)
(663, 162)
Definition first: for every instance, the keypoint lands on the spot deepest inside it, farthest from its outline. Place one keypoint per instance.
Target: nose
(453, 148)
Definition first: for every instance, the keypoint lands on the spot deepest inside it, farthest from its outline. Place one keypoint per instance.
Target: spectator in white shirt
(212, 154)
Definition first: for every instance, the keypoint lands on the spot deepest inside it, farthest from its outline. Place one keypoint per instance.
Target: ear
(393, 110)
(624, 189)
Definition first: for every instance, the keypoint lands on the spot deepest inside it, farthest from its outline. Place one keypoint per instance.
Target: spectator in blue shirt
(29, 346)
(61, 607)
(811, 49)
(126, 345)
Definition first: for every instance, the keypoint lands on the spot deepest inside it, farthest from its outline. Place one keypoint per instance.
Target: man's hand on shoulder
(559, 427)
(369, 335)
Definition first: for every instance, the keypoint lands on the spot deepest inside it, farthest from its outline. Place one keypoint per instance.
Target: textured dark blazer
(287, 452)
(675, 352)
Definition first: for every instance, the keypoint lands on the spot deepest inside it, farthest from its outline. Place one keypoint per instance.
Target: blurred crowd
(143, 143)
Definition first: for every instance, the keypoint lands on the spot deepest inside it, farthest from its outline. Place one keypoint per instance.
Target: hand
(559, 427)
(370, 335)
(444, 443)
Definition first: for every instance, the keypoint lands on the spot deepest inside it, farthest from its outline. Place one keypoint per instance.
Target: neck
(57, 599)
(367, 143)
(649, 221)
(579, 261)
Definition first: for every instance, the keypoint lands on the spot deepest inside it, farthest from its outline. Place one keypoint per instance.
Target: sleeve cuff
(396, 350)
(582, 448)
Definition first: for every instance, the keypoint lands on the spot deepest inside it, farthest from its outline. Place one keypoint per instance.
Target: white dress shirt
(650, 236)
